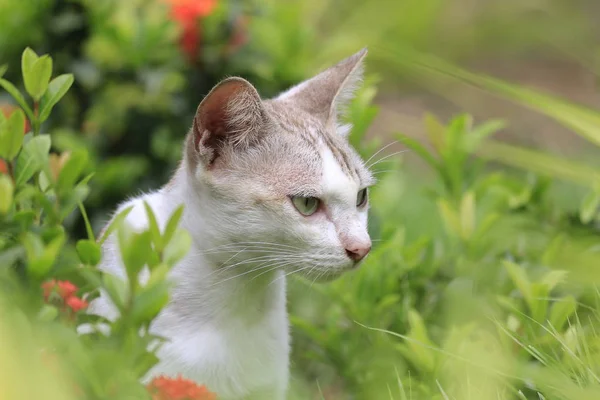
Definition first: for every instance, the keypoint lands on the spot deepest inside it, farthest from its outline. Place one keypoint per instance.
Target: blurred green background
(483, 281)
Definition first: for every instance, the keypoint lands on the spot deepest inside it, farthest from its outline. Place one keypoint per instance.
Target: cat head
(280, 176)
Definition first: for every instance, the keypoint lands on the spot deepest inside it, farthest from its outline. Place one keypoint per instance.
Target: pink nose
(358, 253)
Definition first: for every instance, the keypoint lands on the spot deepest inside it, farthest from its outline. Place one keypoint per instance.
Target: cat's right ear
(232, 114)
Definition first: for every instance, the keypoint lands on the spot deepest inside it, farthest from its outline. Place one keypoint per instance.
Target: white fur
(239, 353)
(339, 192)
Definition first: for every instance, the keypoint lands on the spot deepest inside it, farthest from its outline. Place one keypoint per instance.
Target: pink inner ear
(230, 115)
(212, 117)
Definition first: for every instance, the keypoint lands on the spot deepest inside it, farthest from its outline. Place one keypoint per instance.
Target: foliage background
(486, 276)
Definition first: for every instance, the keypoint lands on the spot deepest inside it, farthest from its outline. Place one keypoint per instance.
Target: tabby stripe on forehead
(304, 134)
(311, 139)
(338, 154)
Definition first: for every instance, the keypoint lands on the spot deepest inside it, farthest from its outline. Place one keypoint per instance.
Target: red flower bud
(187, 13)
(76, 304)
(164, 388)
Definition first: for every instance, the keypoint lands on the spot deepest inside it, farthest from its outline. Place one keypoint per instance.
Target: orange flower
(164, 388)
(76, 304)
(66, 290)
(187, 13)
(3, 167)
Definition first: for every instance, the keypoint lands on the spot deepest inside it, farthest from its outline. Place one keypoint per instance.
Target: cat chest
(232, 359)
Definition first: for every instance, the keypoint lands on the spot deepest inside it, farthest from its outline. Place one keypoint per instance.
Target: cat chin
(326, 276)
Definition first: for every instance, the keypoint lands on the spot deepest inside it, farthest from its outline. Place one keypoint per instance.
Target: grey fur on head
(234, 114)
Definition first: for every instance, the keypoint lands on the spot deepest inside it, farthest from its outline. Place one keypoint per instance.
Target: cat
(270, 187)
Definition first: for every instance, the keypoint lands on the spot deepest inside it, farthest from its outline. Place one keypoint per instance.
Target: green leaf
(71, 170)
(14, 92)
(519, 278)
(561, 311)
(589, 207)
(158, 274)
(114, 224)
(554, 278)
(92, 276)
(52, 232)
(89, 252)
(177, 248)
(539, 304)
(419, 149)
(467, 215)
(135, 250)
(3, 69)
(478, 134)
(36, 73)
(418, 347)
(28, 58)
(33, 158)
(450, 217)
(436, 132)
(144, 363)
(153, 228)
(456, 132)
(117, 290)
(6, 193)
(47, 313)
(540, 163)
(11, 135)
(40, 264)
(57, 88)
(34, 246)
(149, 302)
(172, 225)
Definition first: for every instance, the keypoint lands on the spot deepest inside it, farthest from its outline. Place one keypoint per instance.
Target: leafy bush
(480, 286)
(47, 280)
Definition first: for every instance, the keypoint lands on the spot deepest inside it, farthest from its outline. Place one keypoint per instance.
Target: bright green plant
(47, 280)
(481, 300)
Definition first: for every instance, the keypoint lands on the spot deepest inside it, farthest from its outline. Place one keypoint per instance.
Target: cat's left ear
(325, 95)
(232, 114)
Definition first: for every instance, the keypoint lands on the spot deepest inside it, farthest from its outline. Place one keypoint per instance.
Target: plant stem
(36, 121)
(11, 170)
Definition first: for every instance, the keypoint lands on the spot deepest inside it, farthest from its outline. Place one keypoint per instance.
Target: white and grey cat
(270, 187)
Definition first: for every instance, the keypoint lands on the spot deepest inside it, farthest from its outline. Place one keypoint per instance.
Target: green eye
(361, 198)
(306, 205)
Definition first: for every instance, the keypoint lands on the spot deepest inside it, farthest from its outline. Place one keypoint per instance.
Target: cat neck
(209, 286)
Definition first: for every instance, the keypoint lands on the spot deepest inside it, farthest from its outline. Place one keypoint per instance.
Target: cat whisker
(274, 268)
(271, 267)
(290, 273)
(267, 259)
(258, 259)
(246, 244)
(380, 150)
(255, 243)
(319, 275)
(369, 166)
(247, 250)
(270, 243)
(232, 257)
(383, 171)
